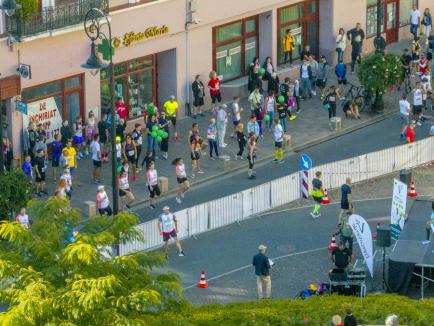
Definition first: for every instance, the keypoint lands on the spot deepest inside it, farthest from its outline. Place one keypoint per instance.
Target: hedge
(371, 310)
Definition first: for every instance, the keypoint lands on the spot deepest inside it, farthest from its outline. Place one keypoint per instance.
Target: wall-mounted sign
(132, 37)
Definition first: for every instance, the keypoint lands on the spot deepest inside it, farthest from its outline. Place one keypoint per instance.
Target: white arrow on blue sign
(305, 162)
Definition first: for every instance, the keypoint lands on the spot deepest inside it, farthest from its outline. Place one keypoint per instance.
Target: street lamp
(380, 46)
(10, 6)
(92, 27)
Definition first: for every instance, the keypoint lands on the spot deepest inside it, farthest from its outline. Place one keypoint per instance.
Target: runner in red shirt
(121, 109)
(214, 90)
(409, 132)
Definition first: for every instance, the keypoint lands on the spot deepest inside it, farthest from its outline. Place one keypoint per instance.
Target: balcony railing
(52, 18)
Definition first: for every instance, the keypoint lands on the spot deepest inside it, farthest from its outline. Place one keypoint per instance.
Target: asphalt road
(295, 242)
(381, 135)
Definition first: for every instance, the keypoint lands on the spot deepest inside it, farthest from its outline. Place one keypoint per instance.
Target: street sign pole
(305, 165)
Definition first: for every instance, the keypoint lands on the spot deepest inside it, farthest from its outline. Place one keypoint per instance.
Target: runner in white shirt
(168, 227)
(278, 141)
(103, 202)
(181, 177)
(23, 218)
(404, 112)
(417, 103)
(152, 182)
(95, 149)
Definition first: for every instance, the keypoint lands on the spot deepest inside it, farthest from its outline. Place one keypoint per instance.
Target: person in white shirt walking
(103, 202)
(278, 142)
(168, 228)
(152, 182)
(95, 149)
(414, 21)
(404, 113)
(417, 103)
(181, 178)
(222, 121)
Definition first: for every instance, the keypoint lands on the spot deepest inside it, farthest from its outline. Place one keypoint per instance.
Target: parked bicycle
(360, 95)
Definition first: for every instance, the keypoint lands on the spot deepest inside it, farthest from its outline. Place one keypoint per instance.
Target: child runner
(90, 130)
(27, 167)
(168, 226)
(130, 155)
(241, 140)
(68, 179)
(125, 193)
(278, 142)
(181, 177)
(196, 147)
(103, 202)
(251, 155)
(78, 137)
(317, 194)
(23, 218)
(152, 182)
(56, 152)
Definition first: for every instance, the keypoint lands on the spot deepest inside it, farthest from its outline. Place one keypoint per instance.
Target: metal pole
(421, 283)
(2, 164)
(378, 22)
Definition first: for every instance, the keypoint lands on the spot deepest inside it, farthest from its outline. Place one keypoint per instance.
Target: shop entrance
(166, 77)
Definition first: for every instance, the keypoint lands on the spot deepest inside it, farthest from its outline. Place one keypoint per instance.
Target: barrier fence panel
(151, 235)
(198, 219)
(183, 224)
(247, 200)
(261, 198)
(379, 163)
(426, 150)
(363, 175)
(406, 156)
(285, 190)
(225, 210)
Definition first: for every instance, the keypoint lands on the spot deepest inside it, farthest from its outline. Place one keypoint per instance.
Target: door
(392, 26)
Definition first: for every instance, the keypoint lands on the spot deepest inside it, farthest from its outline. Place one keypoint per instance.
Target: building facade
(161, 45)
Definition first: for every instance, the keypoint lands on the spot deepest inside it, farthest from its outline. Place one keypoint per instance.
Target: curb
(296, 149)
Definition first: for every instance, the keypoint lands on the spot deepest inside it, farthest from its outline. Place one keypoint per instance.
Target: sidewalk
(310, 127)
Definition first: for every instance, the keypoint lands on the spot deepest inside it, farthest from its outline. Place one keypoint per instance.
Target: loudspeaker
(383, 236)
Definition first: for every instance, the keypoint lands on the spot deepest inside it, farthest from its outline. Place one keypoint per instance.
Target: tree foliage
(45, 280)
(378, 72)
(16, 191)
(28, 8)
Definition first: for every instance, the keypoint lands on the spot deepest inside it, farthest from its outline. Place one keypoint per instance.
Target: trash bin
(405, 177)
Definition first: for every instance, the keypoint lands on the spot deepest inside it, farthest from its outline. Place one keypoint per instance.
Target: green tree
(28, 8)
(47, 279)
(379, 72)
(16, 191)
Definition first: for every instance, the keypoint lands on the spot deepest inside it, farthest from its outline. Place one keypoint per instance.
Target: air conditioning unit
(25, 71)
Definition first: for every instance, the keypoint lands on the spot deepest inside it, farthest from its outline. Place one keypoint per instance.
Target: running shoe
(200, 171)
(252, 177)
(152, 206)
(281, 161)
(178, 200)
(275, 161)
(181, 254)
(44, 192)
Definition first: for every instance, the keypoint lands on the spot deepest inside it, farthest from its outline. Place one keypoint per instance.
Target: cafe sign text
(132, 37)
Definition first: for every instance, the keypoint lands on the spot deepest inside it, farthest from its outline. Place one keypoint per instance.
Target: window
(371, 18)
(302, 19)
(405, 8)
(234, 47)
(67, 92)
(134, 81)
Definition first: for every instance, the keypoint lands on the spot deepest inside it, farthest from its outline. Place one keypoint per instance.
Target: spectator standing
(356, 37)
(273, 84)
(41, 145)
(241, 140)
(281, 114)
(214, 90)
(404, 113)
(262, 271)
(198, 94)
(8, 154)
(95, 150)
(409, 132)
(268, 67)
(288, 45)
(121, 109)
(346, 199)
(181, 178)
(136, 135)
(212, 139)
(341, 256)
(414, 21)
(270, 106)
(349, 319)
(306, 52)
(163, 124)
(27, 167)
(56, 152)
(251, 155)
(278, 142)
(222, 121)
(149, 129)
(152, 183)
(255, 100)
(91, 130)
(254, 67)
(168, 228)
(236, 113)
(78, 137)
(29, 139)
(103, 202)
(70, 156)
(346, 231)
(341, 73)
(317, 193)
(341, 44)
(314, 67)
(253, 126)
(65, 132)
(171, 108)
(306, 77)
(40, 168)
(103, 137)
(331, 96)
(322, 73)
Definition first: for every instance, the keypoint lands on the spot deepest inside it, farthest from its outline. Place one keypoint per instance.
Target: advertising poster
(399, 203)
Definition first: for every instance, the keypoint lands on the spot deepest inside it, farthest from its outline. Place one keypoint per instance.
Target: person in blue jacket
(341, 72)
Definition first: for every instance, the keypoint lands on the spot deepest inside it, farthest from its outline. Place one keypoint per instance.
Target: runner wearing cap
(103, 202)
(168, 227)
(171, 108)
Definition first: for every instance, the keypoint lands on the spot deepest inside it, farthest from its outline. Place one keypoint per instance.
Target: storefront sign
(44, 112)
(235, 50)
(221, 54)
(399, 203)
(132, 37)
(250, 45)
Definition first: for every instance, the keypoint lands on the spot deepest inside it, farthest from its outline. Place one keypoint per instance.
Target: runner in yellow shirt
(171, 108)
(70, 157)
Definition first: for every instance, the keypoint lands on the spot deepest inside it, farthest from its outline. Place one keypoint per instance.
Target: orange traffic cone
(412, 192)
(202, 283)
(325, 198)
(374, 236)
(333, 243)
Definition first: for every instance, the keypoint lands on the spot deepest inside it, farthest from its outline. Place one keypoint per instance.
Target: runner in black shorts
(152, 182)
(130, 154)
(96, 163)
(216, 97)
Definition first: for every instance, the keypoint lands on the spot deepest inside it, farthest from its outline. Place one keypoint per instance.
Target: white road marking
(250, 266)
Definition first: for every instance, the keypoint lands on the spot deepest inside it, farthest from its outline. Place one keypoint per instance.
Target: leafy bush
(16, 191)
(29, 7)
(371, 310)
